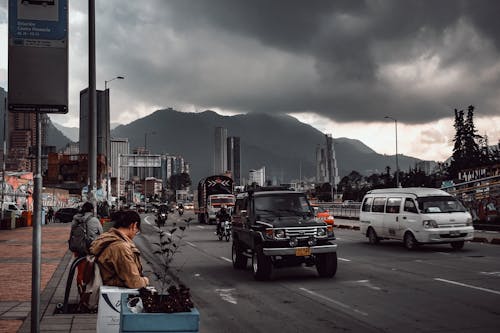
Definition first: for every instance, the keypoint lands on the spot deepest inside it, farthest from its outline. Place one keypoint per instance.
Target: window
(410, 206)
(378, 205)
(440, 204)
(393, 205)
(367, 204)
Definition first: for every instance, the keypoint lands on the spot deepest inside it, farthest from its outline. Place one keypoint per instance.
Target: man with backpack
(85, 228)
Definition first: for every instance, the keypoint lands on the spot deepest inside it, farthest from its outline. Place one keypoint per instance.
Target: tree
(179, 181)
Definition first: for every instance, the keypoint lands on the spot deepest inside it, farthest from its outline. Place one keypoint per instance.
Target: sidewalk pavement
(480, 236)
(15, 278)
(15, 281)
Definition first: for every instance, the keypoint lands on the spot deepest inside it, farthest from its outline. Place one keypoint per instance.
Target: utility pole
(92, 161)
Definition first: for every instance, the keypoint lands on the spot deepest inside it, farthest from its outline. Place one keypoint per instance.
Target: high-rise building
(257, 176)
(326, 163)
(234, 158)
(220, 152)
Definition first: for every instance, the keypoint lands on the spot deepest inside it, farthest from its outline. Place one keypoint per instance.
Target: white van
(416, 216)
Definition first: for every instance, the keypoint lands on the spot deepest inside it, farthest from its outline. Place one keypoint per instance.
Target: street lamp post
(397, 164)
(108, 143)
(146, 169)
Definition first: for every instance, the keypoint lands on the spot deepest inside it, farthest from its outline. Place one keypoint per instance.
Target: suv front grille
(300, 232)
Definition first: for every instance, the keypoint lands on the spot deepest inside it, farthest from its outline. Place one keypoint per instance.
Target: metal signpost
(38, 83)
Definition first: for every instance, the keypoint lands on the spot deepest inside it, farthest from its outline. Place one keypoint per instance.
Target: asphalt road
(381, 288)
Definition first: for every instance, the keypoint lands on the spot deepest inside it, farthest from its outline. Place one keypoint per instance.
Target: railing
(349, 211)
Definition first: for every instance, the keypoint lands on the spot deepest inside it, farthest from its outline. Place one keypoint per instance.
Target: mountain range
(284, 145)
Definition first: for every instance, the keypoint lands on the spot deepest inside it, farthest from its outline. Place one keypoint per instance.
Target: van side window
(367, 204)
(378, 205)
(410, 206)
(393, 205)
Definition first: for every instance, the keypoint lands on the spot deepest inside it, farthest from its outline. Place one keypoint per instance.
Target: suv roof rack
(257, 188)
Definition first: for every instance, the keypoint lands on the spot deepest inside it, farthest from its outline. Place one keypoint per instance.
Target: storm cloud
(345, 60)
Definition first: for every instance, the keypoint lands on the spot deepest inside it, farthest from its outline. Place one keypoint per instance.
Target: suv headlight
(279, 234)
(429, 224)
(468, 223)
(321, 232)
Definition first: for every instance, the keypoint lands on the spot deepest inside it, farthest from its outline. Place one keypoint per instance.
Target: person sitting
(222, 216)
(119, 258)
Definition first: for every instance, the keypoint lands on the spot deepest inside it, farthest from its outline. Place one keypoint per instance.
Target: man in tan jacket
(118, 257)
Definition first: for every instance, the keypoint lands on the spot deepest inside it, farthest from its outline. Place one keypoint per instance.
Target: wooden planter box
(157, 322)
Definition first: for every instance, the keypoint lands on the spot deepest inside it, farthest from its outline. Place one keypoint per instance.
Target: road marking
(490, 273)
(146, 219)
(226, 259)
(444, 253)
(368, 284)
(193, 245)
(200, 226)
(468, 286)
(226, 294)
(345, 306)
(344, 259)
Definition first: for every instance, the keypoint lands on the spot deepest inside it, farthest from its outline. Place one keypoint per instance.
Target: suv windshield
(440, 204)
(282, 205)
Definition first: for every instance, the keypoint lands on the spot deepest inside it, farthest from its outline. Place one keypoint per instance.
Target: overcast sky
(340, 66)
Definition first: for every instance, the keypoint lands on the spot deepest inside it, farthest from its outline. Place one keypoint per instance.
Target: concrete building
(234, 158)
(220, 151)
(326, 163)
(118, 146)
(257, 176)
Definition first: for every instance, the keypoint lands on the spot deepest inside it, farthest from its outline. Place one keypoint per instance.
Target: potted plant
(168, 309)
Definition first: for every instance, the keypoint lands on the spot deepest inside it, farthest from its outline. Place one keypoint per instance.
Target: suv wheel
(262, 265)
(326, 264)
(239, 260)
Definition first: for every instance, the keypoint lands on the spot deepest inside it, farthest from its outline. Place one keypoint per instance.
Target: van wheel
(262, 265)
(457, 245)
(372, 237)
(410, 241)
(238, 258)
(326, 264)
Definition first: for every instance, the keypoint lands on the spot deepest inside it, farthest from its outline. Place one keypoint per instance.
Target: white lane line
(226, 294)
(444, 253)
(226, 259)
(468, 286)
(345, 306)
(368, 284)
(146, 219)
(193, 245)
(344, 259)
(200, 226)
(491, 273)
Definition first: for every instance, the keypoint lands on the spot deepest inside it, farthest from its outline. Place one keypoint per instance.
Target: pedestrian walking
(50, 215)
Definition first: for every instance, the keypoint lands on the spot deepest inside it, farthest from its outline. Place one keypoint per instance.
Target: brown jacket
(119, 260)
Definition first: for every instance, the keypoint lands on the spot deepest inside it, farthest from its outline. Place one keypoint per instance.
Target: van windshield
(440, 204)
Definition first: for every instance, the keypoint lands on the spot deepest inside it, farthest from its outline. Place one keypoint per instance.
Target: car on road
(65, 215)
(277, 228)
(324, 214)
(188, 206)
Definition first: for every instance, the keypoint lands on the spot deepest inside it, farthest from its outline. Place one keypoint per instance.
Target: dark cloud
(347, 60)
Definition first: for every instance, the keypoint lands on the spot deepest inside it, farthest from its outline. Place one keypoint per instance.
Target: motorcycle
(161, 219)
(181, 211)
(225, 231)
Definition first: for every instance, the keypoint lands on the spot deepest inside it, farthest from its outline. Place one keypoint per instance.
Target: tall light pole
(108, 143)
(397, 164)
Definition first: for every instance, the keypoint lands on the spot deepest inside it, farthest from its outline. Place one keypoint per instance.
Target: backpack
(91, 282)
(79, 240)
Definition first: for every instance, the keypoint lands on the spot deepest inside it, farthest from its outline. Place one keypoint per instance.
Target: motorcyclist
(222, 215)
(180, 208)
(163, 209)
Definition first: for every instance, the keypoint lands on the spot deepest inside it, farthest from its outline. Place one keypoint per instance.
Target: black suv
(277, 228)
(65, 215)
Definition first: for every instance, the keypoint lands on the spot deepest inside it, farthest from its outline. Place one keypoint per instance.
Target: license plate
(454, 233)
(302, 251)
